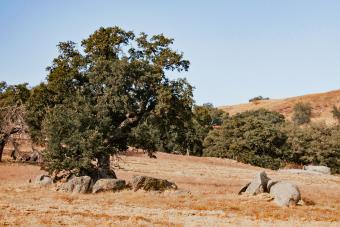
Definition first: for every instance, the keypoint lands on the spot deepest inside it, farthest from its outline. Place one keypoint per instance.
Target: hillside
(321, 103)
(207, 196)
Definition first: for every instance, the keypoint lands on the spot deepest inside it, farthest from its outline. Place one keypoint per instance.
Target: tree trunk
(3, 142)
(104, 170)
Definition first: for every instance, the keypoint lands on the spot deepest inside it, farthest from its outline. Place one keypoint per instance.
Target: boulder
(318, 169)
(43, 180)
(299, 171)
(76, 185)
(108, 185)
(151, 184)
(284, 193)
(257, 185)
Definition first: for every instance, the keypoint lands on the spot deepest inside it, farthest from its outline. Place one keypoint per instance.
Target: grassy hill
(322, 104)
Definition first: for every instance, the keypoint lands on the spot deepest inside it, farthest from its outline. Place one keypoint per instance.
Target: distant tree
(93, 101)
(257, 98)
(336, 113)
(12, 111)
(253, 137)
(302, 113)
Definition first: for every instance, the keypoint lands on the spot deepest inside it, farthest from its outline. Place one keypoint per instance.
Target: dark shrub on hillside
(314, 144)
(258, 98)
(302, 113)
(253, 137)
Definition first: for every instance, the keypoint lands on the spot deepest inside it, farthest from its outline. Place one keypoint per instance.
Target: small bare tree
(11, 122)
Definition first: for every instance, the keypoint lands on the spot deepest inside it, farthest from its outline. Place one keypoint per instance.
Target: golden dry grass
(322, 104)
(207, 196)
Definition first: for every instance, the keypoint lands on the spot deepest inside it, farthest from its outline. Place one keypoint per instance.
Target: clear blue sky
(238, 49)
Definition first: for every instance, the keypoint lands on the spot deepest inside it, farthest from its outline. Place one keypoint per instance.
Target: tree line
(113, 91)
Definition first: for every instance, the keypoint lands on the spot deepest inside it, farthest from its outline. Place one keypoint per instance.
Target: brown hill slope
(322, 104)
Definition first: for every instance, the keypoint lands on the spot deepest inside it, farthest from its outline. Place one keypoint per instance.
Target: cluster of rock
(85, 184)
(309, 170)
(284, 193)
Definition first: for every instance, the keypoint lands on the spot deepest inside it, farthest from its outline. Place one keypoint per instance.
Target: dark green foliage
(315, 144)
(252, 137)
(258, 98)
(179, 131)
(91, 103)
(302, 113)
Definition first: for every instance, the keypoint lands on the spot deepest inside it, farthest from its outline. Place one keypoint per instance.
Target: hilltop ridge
(322, 104)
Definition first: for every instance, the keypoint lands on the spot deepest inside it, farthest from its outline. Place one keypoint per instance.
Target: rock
(108, 185)
(257, 185)
(284, 193)
(244, 188)
(318, 169)
(76, 185)
(298, 171)
(43, 179)
(151, 184)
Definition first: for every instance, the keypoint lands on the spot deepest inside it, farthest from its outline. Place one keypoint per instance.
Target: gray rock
(76, 185)
(298, 171)
(257, 185)
(43, 180)
(284, 193)
(151, 184)
(108, 185)
(318, 169)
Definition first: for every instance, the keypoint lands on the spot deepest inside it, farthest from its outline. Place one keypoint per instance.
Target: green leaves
(92, 101)
(252, 137)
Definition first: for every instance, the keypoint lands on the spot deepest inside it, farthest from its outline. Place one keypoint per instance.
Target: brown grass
(207, 196)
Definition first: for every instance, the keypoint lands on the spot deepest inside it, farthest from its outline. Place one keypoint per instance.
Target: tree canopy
(95, 96)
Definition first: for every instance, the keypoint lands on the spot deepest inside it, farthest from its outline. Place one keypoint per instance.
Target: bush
(315, 144)
(302, 113)
(253, 137)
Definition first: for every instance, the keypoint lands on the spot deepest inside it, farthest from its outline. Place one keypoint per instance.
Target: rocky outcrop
(284, 193)
(76, 185)
(151, 184)
(108, 185)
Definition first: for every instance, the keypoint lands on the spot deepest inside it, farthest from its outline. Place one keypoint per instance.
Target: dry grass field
(207, 196)
(322, 104)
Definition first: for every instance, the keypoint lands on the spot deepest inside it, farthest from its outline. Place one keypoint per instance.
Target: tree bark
(3, 142)
(104, 170)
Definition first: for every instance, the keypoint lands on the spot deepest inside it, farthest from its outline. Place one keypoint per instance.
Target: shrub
(302, 113)
(315, 144)
(253, 137)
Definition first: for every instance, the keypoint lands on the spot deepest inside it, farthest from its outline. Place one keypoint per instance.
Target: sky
(238, 49)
